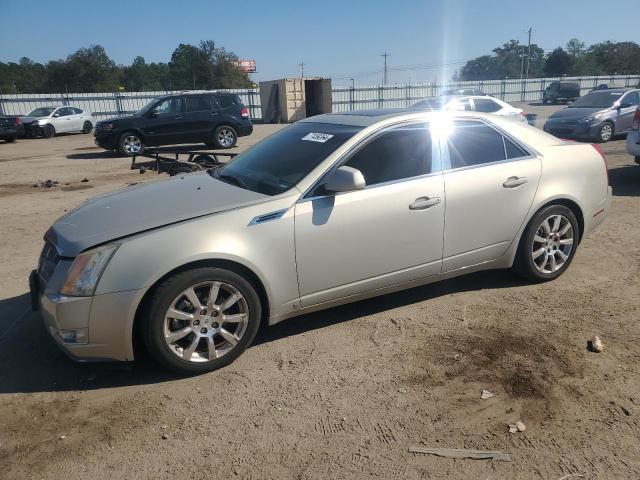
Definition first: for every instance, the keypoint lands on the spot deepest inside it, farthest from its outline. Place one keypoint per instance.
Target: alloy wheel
(606, 132)
(225, 137)
(132, 144)
(206, 321)
(552, 244)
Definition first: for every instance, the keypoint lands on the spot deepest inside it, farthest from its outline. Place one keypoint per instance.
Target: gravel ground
(341, 393)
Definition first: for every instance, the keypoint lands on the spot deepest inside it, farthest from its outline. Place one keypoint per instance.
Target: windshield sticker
(317, 137)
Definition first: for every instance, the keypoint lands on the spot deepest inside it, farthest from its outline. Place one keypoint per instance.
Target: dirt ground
(341, 393)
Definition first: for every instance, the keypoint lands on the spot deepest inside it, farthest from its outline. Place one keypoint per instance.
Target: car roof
(366, 118)
(614, 90)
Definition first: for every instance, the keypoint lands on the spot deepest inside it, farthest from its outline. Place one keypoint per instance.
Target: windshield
(280, 161)
(597, 100)
(41, 112)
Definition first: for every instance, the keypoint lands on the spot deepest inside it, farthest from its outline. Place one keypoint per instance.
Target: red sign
(248, 66)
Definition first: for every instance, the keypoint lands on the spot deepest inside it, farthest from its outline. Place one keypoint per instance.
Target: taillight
(18, 121)
(636, 120)
(244, 112)
(604, 159)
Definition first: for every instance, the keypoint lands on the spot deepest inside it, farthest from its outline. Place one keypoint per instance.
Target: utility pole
(301, 65)
(529, 52)
(385, 55)
(521, 62)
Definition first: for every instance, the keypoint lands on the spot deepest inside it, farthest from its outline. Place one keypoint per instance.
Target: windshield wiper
(237, 181)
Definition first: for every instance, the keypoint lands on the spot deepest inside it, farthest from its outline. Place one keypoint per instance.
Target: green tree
(189, 68)
(558, 63)
(576, 48)
(616, 57)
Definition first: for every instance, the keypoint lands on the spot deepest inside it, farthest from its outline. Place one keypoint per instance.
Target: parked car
(633, 138)
(602, 86)
(217, 119)
(54, 120)
(464, 91)
(329, 210)
(11, 127)
(597, 116)
(561, 92)
(472, 103)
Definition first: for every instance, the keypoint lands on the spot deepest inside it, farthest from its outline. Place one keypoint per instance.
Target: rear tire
(225, 137)
(546, 249)
(48, 131)
(87, 127)
(191, 353)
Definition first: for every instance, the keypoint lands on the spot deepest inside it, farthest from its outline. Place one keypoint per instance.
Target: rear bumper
(598, 214)
(245, 130)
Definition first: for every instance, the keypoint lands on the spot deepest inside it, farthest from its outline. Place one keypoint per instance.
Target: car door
(198, 118)
(628, 105)
(490, 182)
(61, 119)
(164, 123)
(77, 119)
(388, 233)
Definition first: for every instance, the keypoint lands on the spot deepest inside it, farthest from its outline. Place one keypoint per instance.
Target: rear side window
(474, 143)
(76, 111)
(197, 103)
(226, 101)
(512, 150)
(486, 105)
(402, 152)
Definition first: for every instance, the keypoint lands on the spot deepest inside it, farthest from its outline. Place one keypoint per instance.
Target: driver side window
(168, 106)
(396, 154)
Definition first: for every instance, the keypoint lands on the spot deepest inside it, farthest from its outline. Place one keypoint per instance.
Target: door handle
(513, 182)
(423, 203)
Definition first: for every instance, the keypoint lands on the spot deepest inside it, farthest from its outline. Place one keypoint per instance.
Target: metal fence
(344, 98)
(105, 105)
(348, 98)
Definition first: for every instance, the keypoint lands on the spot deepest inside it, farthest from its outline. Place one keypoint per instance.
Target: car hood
(27, 119)
(118, 119)
(144, 207)
(575, 113)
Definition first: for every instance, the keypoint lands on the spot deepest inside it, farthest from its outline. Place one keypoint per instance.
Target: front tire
(225, 137)
(10, 139)
(130, 144)
(48, 131)
(201, 320)
(606, 132)
(548, 244)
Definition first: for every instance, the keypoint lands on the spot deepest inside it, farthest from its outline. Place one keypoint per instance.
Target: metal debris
(462, 453)
(486, 394)
(595, 344)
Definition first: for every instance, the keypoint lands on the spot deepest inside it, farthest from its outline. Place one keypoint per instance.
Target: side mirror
(345, 179)
(153, 114)
(56, 115)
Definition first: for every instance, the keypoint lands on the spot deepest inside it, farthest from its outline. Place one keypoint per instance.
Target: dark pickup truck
(561, 92)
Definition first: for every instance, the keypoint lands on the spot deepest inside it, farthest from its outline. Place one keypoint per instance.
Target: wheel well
(131, 130)
(235, 267)
(574, 207)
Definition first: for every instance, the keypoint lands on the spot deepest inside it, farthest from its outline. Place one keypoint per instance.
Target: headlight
(588, 119)
(86, 270)
(107, 126)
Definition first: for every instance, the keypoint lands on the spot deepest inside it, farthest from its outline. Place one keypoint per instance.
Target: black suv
(217, 119)
(561, 91)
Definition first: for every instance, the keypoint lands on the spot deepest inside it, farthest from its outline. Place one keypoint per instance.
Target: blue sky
(338, 39)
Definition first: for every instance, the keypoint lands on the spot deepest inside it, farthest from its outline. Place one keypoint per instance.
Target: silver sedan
(332, 209)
